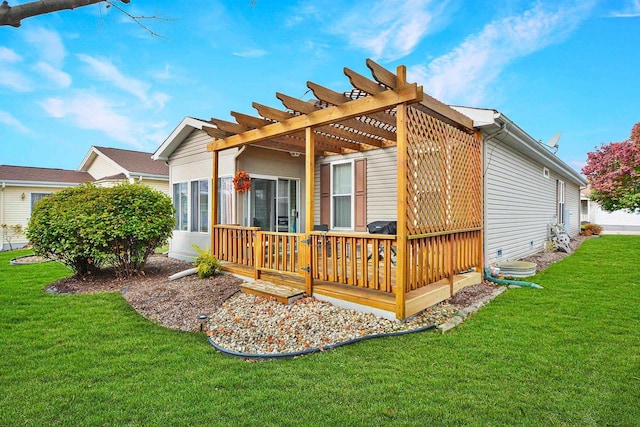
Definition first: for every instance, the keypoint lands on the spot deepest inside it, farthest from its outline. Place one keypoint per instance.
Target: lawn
(565, 355)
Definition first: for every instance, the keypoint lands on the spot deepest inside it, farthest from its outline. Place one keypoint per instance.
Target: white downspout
(485, 204)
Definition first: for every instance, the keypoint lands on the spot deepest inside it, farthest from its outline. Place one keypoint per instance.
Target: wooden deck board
(282, 293)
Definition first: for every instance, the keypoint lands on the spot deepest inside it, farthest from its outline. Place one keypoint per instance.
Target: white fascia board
(492, 120)
(88, 158)
(41, 184)
(179, 134)
(480, 116)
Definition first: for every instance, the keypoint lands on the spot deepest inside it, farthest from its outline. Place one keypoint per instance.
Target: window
(225, 200)
(200, 205)
(36, 197)
(181, 205)
(560, 197)
(342, 195)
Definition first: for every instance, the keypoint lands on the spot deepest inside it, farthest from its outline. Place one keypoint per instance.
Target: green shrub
(206, 264)
(137, 219)
(62, 226)
(87, 226)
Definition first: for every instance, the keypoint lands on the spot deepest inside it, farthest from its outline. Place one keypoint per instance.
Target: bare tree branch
(138, 19)
(13, 15)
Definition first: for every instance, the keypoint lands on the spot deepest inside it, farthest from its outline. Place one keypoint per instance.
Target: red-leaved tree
(613, 172)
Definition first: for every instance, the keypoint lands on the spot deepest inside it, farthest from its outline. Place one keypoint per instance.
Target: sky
(93, 76)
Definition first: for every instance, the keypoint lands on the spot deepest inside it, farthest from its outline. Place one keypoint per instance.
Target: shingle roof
(135, 161)
(33, 174)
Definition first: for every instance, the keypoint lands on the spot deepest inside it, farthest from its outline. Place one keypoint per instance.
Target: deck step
(282, 293)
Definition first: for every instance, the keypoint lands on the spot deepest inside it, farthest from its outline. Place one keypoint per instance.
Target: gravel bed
(257, 325)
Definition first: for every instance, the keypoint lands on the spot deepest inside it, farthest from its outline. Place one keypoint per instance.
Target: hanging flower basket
(242, 182)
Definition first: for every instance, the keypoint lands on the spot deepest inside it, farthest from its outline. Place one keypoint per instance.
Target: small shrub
(10, 232)
(589, 229)
(206, 264)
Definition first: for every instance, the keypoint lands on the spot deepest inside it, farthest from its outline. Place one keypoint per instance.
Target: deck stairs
(282, 293)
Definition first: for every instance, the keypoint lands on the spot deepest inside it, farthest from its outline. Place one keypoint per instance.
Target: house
(475, 189)
(321, 174)
(526, 188)
(22, 186)
(111, 166)
(617, 222)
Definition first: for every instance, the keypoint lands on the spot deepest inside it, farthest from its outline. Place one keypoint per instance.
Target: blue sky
(74, 79)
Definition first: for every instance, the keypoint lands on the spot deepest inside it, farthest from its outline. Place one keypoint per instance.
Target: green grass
(567, 355)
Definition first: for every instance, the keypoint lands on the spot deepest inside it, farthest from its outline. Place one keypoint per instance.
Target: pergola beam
(409, 93)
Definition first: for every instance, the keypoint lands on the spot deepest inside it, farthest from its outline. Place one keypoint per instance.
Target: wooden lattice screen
(444, 176)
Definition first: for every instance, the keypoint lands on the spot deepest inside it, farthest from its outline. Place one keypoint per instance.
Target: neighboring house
(23, 186)
(617, 222)
(111, 166)
(526, 188)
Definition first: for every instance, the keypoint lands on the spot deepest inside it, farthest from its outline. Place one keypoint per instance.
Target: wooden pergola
(383, 112)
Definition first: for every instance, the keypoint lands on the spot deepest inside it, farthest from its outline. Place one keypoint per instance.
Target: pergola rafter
(359, 120)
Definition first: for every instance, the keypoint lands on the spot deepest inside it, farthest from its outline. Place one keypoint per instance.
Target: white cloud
(15, 80)
(251, 53)
(11, 121)
(105, 70)
(48, 44)
(90, 111)
(631, 10)
(390, 29)
(58, 77)
(8, 55)
(463, 75)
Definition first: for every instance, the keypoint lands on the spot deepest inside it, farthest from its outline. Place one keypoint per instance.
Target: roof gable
(129, 162)
(177, 137)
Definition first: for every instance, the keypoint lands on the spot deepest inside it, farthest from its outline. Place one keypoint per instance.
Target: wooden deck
(353, 296)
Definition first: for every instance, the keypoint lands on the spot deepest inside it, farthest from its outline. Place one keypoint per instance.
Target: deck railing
(234, 243)
(279, 252)
(440, 256)
(361, 260)
(366, 260)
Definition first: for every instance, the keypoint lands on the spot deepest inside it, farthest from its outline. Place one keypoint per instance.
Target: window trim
(351, 195)
(561, 201)
(178, 205)
(195, 208)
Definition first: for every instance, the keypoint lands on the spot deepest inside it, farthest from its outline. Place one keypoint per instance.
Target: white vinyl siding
(190, 162)
(100, 167)
(520, 203)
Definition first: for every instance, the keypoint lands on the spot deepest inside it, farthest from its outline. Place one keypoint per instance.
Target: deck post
(214, 201)
(309, 162)
(401, 254)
